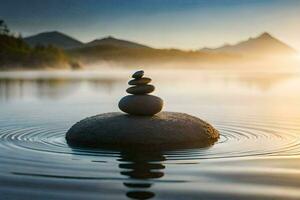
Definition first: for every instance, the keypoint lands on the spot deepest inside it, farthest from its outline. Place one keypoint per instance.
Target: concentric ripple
(238, 139)
(256, 157)
(34, 157)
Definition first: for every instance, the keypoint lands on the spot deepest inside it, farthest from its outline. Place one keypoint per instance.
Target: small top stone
(138, 74)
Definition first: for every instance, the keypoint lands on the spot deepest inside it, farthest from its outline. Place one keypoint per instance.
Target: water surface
(257, 156)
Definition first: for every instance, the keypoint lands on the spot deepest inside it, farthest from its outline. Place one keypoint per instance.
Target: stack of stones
(139, 102)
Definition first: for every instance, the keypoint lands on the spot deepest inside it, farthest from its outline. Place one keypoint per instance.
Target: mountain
(54, 38)
(263, 45)
(110, 49)
(111, 41)
(15, 53)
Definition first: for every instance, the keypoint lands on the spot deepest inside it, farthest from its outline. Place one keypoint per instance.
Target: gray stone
(138, 74)
(140, 89)
(167, 130)
(141, 104)
(140, 81)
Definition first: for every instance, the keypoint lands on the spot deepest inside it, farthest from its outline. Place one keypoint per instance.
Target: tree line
(16, 53)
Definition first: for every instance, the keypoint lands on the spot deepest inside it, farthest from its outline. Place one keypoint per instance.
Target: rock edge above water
(166, 130)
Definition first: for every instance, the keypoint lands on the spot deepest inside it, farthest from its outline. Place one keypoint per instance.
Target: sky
(185, 24)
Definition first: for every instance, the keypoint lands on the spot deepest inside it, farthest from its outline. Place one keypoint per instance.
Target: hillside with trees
(15, 53)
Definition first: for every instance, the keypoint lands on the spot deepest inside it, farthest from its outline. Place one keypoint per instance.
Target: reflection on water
(257, 156)
(264, 81)
(14, 88)
(141, 167)
(11, 89)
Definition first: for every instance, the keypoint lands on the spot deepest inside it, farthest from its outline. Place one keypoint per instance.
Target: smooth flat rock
(167, 130)
(140, 89)
(138, 74)
(141, 104)
(140, 81)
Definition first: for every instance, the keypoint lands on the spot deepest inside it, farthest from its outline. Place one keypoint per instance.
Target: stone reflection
(141, 168)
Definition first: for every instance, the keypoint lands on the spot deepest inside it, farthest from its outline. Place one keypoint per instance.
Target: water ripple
(40, 156)
(237, 139)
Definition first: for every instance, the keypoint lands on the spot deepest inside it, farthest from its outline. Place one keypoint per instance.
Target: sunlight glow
(296, 58)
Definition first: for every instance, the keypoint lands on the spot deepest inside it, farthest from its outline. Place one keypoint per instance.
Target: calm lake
(257, 156)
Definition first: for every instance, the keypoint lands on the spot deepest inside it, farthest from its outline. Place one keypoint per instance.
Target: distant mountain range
(113, 49)
(114, 42)
(54, 38)
(64, 41)
(264, 44)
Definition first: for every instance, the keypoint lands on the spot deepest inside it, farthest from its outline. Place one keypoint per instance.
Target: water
(257, 156)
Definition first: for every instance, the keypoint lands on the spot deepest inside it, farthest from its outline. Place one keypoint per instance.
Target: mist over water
(257, 157)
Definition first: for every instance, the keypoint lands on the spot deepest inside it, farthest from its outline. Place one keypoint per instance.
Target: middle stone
(140, 89)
